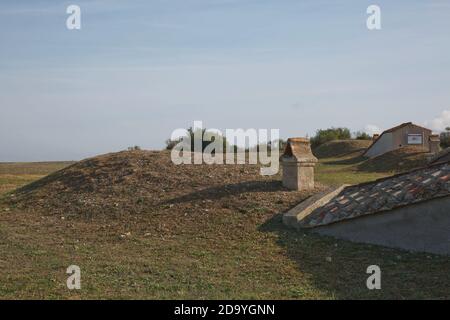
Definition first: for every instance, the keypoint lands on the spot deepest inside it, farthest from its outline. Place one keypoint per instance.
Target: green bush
(360, 135)
(208, 137)
(330, 134)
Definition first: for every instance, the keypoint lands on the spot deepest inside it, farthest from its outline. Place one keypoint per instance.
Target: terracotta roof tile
(383, 195)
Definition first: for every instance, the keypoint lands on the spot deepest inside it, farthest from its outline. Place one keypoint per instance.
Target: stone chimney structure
(435, 141)
(298, 164)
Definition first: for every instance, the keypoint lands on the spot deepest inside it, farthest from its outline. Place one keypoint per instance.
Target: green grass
(240, 255)
(336, 171)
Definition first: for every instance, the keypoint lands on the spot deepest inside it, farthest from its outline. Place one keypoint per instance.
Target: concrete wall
(400, 136)
(420, 227)
(382, 145)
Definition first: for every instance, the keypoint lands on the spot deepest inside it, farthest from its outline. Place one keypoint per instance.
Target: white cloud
(372, 129)
(440, 123)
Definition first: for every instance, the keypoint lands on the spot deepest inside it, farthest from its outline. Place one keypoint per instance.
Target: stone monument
(434, 143)
(298, 164)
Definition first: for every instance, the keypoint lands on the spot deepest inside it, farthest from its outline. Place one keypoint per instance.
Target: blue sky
(137, 70)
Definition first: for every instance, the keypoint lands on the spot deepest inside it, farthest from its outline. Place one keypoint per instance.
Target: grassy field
(336, 171)
(246, 253)
(16, 174)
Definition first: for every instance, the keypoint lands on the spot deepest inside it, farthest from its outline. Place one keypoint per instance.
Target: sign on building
(415, 139)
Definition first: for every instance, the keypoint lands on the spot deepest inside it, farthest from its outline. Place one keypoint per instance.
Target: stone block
(298, 165)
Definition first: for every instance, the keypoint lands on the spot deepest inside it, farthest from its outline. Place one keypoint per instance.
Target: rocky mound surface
(338, 148)
(142, 182)
(399, 160)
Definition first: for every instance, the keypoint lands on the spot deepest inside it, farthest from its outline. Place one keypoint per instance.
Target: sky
(139, 69)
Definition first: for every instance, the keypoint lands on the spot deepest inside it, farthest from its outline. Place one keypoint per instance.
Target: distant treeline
(330, 134)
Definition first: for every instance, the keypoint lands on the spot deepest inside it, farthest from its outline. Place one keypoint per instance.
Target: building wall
(397, 139)
(419, 227)
(400, 136)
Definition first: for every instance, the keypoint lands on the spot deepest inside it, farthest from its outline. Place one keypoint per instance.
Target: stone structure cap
(434, 137)
(298, 150)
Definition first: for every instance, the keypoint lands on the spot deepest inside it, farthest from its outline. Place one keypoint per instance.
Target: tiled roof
(383, 195)
(404, 125)
(397, 127)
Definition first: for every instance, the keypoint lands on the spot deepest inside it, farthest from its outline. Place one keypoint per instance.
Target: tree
(330, 134)
(206, 136)
(360, 135)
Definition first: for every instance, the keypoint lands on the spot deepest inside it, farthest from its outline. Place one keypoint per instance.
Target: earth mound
(402, 159)
(338, 148)
(147, 182)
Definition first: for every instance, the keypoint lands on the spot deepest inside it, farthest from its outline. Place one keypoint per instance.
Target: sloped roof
(394, 129)
(383, 195)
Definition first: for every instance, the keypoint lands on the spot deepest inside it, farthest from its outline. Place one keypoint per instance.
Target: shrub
(208, 137)
(134, 148)
(360, 135)
(325, 135)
